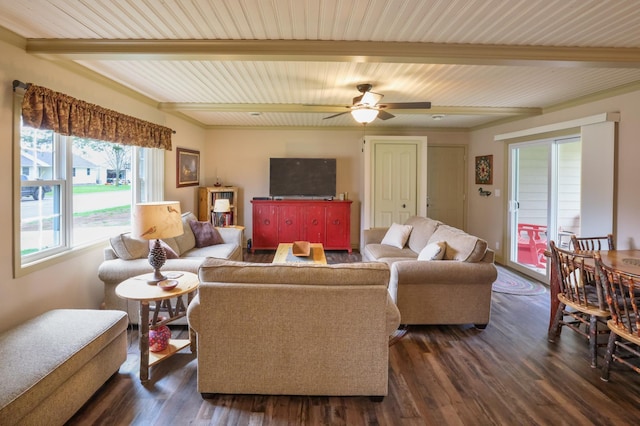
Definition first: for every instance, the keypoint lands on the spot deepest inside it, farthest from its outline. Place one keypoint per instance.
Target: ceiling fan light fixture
(364, 115)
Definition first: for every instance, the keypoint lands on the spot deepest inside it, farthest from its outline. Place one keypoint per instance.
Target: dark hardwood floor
(507, 374)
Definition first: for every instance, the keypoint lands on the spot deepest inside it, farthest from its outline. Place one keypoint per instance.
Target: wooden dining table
(623, 260)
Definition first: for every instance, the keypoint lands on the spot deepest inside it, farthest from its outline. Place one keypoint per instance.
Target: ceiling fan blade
(384, 115)
(407, 105)
(335, 115)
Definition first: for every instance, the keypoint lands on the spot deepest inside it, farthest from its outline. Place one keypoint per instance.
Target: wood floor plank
(438, 375)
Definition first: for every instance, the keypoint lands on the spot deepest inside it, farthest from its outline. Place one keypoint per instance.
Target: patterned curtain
(43, 108)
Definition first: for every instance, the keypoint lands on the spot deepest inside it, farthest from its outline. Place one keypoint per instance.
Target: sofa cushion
(219, 251)
(187, 240)
(170, 252)
(423, 229)
(433, 251)
(397, 235)
(205, 234)
(379, 251)
(460, 245)
(127, 247)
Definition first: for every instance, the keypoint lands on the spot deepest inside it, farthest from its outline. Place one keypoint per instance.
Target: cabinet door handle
(288, 221)
(404, 206)
(314, 222)
(336, 222)
(267, 222)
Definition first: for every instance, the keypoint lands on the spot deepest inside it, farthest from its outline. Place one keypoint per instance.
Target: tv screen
(302, 177)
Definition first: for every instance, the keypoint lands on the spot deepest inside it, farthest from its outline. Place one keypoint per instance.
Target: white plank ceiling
(294, 62)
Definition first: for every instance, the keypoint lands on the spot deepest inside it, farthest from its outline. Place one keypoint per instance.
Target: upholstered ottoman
(52, 364)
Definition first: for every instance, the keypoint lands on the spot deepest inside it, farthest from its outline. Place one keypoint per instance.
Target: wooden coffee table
(283, 254)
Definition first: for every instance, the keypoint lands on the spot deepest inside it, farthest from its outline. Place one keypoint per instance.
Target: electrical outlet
(497, 245)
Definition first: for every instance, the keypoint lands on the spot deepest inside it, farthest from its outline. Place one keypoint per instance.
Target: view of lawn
(85, 189)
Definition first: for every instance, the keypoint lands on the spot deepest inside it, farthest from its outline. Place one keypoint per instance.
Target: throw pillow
(397, 235)
(206, 235)
(187, 240)
(127, 247)
(433, 251)
(171, 253)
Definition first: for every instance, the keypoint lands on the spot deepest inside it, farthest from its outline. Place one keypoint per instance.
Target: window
(61, 210)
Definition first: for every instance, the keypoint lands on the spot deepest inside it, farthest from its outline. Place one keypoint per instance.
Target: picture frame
(484, 170)
(187, 167)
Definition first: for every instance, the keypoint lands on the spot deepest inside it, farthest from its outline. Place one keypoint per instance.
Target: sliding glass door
(545, 202)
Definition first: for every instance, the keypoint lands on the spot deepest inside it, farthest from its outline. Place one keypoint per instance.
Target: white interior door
(372, 180)
(395, 183)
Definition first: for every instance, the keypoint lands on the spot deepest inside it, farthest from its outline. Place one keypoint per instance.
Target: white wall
(72, 282)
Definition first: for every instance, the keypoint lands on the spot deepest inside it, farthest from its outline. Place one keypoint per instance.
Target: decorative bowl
(301, 248)
(167, 285)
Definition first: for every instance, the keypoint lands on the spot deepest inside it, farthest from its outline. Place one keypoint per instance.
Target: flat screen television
(302, 177)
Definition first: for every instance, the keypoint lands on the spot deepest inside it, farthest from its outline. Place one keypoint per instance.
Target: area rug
(511, 282)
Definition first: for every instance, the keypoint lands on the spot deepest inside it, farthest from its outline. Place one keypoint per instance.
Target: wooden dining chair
(582, 303)
(622, 292)
(593, 243)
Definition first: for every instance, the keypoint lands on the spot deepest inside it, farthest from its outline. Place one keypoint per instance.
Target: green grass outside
(111, 211)
(85, 189)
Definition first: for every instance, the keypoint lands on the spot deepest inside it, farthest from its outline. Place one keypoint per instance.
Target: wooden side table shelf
(136, 288)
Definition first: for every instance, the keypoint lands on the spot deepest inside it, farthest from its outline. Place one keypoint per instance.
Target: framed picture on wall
(187, 167)
(484, 169)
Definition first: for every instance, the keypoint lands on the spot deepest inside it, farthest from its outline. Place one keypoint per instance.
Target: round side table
(136, 288)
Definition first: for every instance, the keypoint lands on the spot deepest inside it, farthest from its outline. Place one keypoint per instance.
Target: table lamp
(154, 221)
(220, 207)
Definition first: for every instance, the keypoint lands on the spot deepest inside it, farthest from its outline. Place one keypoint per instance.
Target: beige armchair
(293, 329)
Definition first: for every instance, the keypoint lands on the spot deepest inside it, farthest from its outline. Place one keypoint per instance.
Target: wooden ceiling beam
(299, 108)
(337, 51)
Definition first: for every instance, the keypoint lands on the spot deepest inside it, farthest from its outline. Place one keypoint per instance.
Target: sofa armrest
(231, 235)
(373, 235)
(438, 272)
(442, 271)
(193, 313)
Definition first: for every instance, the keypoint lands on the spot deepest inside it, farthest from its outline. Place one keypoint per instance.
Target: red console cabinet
(338, 226)
(265, 225)
(316, 221)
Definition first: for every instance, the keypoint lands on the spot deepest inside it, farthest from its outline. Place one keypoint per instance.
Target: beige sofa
(126, 257)
(293, 329)
(454, 290)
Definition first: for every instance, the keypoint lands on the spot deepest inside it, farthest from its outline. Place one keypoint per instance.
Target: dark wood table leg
(144, 341)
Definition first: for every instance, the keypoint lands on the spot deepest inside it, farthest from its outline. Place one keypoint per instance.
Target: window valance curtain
(43, 108)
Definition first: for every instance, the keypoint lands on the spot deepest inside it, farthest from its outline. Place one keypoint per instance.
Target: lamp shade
(221, 206)
(364, 114)
(157, 220)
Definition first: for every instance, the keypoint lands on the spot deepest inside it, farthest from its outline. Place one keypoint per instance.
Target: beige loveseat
(293, 329)
(454, 290)
(126, 257)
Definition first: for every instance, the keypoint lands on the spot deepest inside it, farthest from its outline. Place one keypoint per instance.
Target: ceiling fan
(365, 108)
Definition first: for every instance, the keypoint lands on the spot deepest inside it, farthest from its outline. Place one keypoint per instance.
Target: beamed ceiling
(292, 63)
